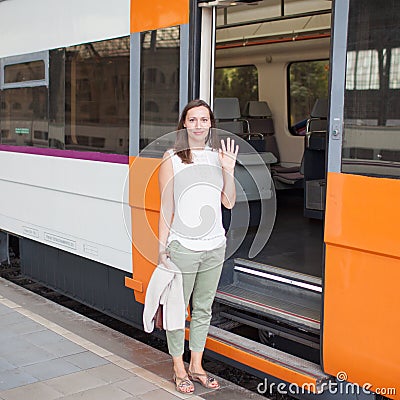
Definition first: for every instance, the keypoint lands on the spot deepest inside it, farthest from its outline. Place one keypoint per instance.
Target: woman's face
(197, 123)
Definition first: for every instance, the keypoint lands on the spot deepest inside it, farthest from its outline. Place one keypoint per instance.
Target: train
(90, 96)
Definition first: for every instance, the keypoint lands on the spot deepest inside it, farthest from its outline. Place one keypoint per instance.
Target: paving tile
(5, 334)
(86, 360)
(232, 393)
(136, 385)
(5, 365)
(63, 348)
(100, 351)
(5, 310)
(50, 369)
(14, 378)
(12, 318)
(44, 337)
(101, 393)
(138, 358)
(74, 383)
(110, 373)
(32, 355)
(12, 345)
(121, 362)
(24, 326)
(38, 390)
(156, 379)
(160, 394)
(162, 369)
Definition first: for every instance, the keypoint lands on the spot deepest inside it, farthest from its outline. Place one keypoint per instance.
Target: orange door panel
(362, 272)
(144, 199)
(155, 14)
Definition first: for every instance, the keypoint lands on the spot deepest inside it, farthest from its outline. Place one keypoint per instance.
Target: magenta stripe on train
(81, 155)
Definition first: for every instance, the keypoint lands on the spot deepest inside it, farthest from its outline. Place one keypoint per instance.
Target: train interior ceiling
(273, 56)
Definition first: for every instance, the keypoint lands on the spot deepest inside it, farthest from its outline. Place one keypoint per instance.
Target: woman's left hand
(228, 154)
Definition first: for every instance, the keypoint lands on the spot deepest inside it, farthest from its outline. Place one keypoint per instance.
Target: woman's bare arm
(227, 156)
(166, 185)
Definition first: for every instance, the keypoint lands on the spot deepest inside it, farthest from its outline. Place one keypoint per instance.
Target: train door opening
(272, 64)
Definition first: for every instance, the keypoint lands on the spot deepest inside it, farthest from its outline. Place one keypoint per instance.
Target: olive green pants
(201, 271)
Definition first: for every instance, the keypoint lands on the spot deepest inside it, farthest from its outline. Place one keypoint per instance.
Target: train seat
(227, 115)
(259, 124)
(317, 123)
(258, 117)
(314, 160)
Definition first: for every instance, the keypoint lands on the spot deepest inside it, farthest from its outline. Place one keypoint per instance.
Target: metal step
(267, 358)
(265, 290)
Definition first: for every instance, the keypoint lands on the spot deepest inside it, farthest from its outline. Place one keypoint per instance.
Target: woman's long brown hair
(181, 147)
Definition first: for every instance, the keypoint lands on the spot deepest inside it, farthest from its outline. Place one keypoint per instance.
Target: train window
(159, 89)
(307, 82)
(28, 70)
(371, 141)
(23, 72)
(25, 114)
(97, 96)
(240, 82)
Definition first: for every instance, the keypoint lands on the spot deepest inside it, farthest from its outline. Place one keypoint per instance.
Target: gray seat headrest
(257, 109)
(226, 108)
(320, 109)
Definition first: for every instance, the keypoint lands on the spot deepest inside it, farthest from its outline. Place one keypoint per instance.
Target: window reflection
(159, 89)
(24, 120)
(371, 143)
(362, 69)
(23, 72)
(97, 96)
(84, 107)
(362, 72)
(394, 77)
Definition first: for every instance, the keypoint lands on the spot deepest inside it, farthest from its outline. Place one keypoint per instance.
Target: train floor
(50, 352)
(296, 242)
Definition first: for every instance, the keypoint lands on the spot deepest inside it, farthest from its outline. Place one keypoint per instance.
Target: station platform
(50, 352)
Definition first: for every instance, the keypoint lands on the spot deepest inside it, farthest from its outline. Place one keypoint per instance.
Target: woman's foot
(203, 378)
(182, 382)
(183, 385)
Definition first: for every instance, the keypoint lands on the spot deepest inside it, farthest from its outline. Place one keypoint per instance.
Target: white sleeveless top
(197, 223)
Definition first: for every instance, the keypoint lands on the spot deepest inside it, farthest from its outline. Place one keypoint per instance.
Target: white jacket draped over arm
(166, 288)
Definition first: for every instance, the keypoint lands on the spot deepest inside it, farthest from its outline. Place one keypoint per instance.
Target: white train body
(76, 205)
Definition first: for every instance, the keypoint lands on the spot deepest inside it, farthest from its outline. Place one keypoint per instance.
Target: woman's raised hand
(228, 154)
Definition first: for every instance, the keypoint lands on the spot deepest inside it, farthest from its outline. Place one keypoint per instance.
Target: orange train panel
(362, 271)
(144, 199)
(143, 183)
(363, 213)
(155, 14)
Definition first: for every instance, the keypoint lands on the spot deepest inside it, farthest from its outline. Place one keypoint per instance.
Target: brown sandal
(183, 383)
(208, 383)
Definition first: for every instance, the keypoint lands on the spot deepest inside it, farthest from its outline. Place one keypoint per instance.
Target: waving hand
(228, 154)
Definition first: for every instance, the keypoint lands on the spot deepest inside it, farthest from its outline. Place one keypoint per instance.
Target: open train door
(360, 313)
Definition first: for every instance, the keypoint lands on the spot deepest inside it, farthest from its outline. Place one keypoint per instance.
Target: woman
(194, 178)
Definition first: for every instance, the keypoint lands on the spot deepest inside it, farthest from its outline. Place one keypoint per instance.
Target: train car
(90, 95)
